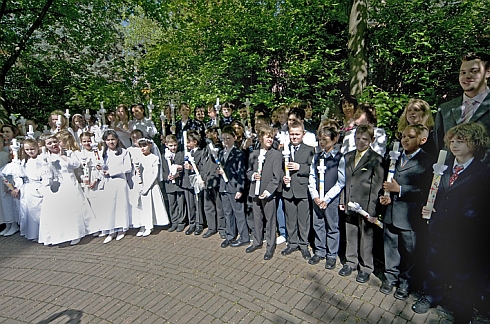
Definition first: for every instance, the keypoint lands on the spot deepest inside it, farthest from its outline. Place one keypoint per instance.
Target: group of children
(213, 182)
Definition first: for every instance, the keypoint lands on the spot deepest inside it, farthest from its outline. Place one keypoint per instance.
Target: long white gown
(148, 207)
(65, 213)
(31, 199)
(112, 204)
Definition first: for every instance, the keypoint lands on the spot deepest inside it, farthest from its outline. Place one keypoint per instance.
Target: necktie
(469, 109)
(454, 176)
(405, 159)
(357, 158)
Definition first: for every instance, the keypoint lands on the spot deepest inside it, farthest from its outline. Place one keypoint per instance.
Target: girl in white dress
(150, 209)
(113, 205)
(30, 197)
(121, 125)
(65, 208)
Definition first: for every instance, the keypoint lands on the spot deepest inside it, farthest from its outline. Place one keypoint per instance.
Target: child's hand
(218, 170)
(256, 176)
(426, 211)
(392, 186)
(385, 200)
(172, 129)
(187, 166)
(238, 195)
(320, 203)
(287, 180)
(15, 193)
(293, 166)
(372, 219)
(92, 185)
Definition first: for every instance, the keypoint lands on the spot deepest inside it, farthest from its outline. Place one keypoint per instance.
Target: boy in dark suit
(402, 222)
(459, 241)
(264, 203)
(231, 192)
(363, 180)
(295, 192)
(172, 180)
(193, 211)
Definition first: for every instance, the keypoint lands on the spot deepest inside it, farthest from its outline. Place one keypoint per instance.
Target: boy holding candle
(295, 191)
(193, 210)
(403, 226)
(231, 191)
(459, 241)
(326, 181)
(265, 173)
(363, 180)
(172, 161)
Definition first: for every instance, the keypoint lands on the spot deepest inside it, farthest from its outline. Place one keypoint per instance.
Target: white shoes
(108, 238)
(14, 228)
(75, 242)
(119, 236)
(146, 232)
(140, 232)
(6, 229)
(280, 239)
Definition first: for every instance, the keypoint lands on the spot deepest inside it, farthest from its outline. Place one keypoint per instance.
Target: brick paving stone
(386, 318)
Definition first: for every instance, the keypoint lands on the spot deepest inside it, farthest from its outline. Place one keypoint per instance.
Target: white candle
(321, 172)
(151, 102)
(67, 111)
(101, 105)
(285, 153)
(394, 154)
(87, 111)
(261, 160)
(442, 157)
(31, 129)
(217, 101)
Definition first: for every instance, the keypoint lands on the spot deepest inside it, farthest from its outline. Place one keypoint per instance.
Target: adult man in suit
(473, 106)
(295, 192)
(363, 180)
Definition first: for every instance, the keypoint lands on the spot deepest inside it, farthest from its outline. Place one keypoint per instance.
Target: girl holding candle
(56, 125)
(113, 206)
(327, 179)
(150, 208)
(30, 198)
(141, 122)
(62, 193)
(90, 176)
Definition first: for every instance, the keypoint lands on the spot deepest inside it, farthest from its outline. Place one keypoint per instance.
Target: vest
(331, 175)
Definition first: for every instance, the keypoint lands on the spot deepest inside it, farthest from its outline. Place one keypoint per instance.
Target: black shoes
(190, 230)
(288, 250)
(401, 294)
(362, 277)
(386, 288)
(315, 259)
(345, 271)
(253, 248)
(222, 235)
(238, 243)
(421, 306)
(180, 228)
(172, 228)
(198, 230)
(306, 254)
(209, 234)
(225, 244)
(330, 263)
(268, 255)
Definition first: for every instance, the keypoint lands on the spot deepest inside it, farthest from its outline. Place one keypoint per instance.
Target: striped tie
(468, 110)
(454, 176)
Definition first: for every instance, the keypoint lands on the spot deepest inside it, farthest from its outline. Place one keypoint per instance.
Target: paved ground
(170, 277)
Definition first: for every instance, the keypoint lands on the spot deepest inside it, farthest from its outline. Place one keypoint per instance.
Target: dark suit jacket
(169, 186)
(460, 223)
(299, 179)
(192, 124)
(198, 155)
(234, 168)
(363, 182)
(415, 178)
(208, 173)
(448, 116)
(271, 171)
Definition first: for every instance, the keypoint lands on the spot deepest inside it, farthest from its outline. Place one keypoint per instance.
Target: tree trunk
(358, 66)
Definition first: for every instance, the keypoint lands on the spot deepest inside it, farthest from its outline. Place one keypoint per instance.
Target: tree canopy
(80, 53)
